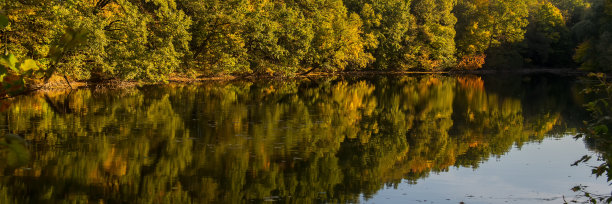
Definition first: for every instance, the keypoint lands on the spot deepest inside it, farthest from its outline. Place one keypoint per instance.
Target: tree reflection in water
(329, 140)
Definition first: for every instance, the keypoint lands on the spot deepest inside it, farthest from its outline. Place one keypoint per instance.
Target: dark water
(376, 139)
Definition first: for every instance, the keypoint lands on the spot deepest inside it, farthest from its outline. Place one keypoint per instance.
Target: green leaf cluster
(155, 39)
(595, 33)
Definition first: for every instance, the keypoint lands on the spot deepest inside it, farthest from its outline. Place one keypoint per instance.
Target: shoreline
(59, 83)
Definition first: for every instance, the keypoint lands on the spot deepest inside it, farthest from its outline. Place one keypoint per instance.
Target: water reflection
(313, 139)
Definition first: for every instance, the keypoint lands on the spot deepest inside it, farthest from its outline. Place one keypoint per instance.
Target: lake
(372, 139)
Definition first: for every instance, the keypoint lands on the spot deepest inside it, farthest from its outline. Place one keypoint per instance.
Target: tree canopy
(154, 39)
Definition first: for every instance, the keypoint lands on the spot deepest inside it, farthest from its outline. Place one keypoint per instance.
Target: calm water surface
(385, 139)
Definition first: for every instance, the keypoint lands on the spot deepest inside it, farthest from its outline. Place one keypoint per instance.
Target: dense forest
(151, 40)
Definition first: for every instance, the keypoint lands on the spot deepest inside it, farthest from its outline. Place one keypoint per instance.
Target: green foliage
(337, 42)
(154, 39)
(491, 28)
(30, 28)
(13, 73)
(71, 39)
(277, 36)
(595, 33)
(547, 28)
(274, 37)
(217, 45)
(485, 24)
(572, 10)
(10, 63)
(389, 29)
(596, 133)
(434, 43)
(408, 34)
(4, 21)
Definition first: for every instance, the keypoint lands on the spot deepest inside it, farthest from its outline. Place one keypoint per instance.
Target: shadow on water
(328, 140)
(597, 136)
